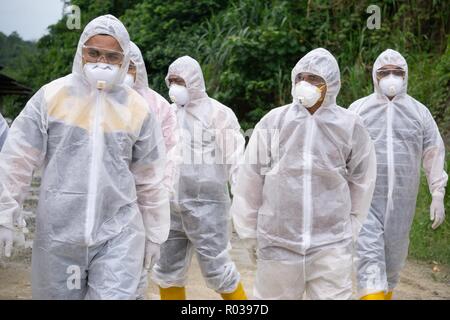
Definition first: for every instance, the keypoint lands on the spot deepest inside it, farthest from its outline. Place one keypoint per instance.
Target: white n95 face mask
(98, 73)
(391, 85)
(307, 94)
(179, 95)
(129, 80)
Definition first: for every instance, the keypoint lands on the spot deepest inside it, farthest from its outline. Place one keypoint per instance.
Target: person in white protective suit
(101, 197)
(211, 148)
(405, 134)
(305, 188)
(3, 130)
(137, 79)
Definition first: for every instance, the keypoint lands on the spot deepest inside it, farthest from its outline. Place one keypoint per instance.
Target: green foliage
(14, 53)
(167, 30)
(426, 243)
(248, 48)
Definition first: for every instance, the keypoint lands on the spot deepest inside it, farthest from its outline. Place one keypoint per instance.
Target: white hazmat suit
(305, 197)
(211, 147)
(405, 134)
(101, 194)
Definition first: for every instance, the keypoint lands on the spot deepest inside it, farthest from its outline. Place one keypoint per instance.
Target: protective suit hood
(109, 25)
(141, 81)
(190, 71)
(393, 57)
(322, 63)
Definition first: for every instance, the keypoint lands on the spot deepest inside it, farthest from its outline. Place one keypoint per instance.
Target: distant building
(9, 87)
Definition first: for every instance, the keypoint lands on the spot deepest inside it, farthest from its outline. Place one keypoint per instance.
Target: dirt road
(418, 281)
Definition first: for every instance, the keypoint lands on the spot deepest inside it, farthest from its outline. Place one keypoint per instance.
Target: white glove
(6, 241)
(152, 254)
(437, 212)
(251, 246)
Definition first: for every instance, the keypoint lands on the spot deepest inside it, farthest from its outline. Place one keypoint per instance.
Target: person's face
(102, 48)
(176, 80)
(315, 80)
(132, 70)
(389, 69)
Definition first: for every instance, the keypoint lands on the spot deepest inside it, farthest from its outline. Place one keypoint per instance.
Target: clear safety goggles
(94, 54)
(381, 73)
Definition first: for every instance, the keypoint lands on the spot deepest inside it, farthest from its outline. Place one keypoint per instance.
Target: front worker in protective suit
(101, 197)
(3, 131)
(211, 147)
(405, 134)
(137, 79)
(305, 188)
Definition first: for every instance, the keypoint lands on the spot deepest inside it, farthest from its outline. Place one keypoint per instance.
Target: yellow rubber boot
(238, 294)
(172, 293)
(388, 295)
(374, 296)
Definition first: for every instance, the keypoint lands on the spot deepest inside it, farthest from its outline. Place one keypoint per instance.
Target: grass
(428, 244)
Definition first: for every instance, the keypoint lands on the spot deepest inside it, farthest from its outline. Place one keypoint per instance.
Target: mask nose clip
(101, 84)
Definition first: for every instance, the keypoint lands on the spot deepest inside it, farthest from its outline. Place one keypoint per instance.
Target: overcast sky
(30, 18)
